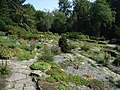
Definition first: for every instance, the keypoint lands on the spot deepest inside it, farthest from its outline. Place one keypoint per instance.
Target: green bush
(43, 66)
(117, 61)
(64, 45)
(4, 70)
(7, 52)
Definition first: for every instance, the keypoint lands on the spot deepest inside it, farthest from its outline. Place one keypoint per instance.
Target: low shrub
(4, 70)
(47, 56)
(117, 48)
(118, 83)
(43, 66)
(8, 42)
(64, 45)
(6, 52)
(117, 61)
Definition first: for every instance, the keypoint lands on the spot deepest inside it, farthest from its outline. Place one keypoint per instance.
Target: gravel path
(19, 78)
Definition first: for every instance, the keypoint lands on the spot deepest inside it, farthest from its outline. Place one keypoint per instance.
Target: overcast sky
(44, 4)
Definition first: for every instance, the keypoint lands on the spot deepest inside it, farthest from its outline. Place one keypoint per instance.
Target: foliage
(59, 22)
(47, 56)
(55, 50)
(85, 47)
(50, 79)
(44, 21)
(76, 35)
(117, 61)
(7, 52)
(64, 86)
(118, 83)
(102, 16)
(4, 70)
(2, 33)
(8, 42)
(64, 45)
(43, 66)
(117, 48)
(25, 55)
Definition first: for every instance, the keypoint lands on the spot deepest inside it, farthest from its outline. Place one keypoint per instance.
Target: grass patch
(25, 55)
(78, 80)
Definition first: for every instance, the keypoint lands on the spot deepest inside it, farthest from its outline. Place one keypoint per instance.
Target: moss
(43, 66)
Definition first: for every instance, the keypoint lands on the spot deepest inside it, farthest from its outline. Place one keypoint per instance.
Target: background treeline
(99, 18)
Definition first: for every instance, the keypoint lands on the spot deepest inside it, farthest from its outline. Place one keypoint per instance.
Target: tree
(65, 7)
(4, 11)
(115, 4)
(101, 16)
(59, 22)
(43, 20)
(82, 11)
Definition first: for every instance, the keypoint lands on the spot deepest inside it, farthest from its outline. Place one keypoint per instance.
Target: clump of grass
(4, 70)
(25, 55)
(117, 61)
(48, 56)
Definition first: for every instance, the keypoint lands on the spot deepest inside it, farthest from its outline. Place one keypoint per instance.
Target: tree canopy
(99, 18)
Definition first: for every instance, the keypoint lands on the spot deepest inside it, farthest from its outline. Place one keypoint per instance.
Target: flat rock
(39, 73)
(16, 76)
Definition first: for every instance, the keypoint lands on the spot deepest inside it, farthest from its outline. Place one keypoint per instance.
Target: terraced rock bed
(86, 65)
